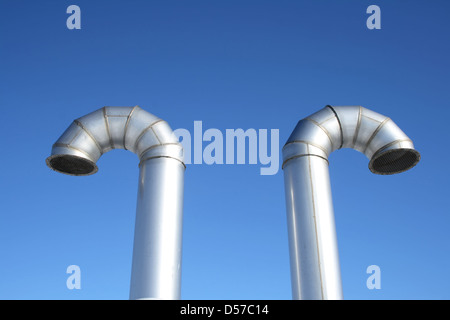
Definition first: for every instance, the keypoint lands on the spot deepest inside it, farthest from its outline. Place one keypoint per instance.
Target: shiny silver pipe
(313, 249)
(156, 265)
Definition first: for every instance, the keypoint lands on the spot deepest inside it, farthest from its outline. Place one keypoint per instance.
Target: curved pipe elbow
(132, 128)
(387, 147)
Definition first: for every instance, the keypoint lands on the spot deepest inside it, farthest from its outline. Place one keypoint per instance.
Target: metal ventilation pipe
(314, 260)
(156, 265)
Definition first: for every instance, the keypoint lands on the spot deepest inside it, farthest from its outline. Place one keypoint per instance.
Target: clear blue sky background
(231, 64)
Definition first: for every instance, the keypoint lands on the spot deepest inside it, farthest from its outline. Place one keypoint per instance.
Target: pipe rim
(71, 165)
(394, 161)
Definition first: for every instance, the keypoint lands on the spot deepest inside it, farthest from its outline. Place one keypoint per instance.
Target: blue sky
(230, 64)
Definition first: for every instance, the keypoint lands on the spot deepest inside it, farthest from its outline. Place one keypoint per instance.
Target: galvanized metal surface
(314, 258)
(156, 268)
(156, 265)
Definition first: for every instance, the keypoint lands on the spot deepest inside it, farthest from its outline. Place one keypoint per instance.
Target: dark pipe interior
(394, 161)
(72, 165)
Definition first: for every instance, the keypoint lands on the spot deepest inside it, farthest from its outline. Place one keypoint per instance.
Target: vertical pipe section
(156, 266)
(315, 269)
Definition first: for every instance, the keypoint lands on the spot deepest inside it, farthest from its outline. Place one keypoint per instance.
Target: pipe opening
(394, 161)
(72, 165)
